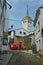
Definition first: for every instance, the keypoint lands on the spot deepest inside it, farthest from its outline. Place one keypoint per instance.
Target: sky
(18, 11)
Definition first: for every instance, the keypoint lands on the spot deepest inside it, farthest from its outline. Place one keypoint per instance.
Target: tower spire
(27, 11)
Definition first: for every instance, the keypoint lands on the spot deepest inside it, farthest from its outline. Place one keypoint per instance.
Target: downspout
(42, 39)
(3, 22)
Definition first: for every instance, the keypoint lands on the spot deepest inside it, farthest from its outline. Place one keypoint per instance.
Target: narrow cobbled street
(22, 58)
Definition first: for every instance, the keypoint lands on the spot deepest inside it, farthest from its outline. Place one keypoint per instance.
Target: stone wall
(25, 40)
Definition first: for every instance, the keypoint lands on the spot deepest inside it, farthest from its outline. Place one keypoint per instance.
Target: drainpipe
(42, 39)
(3, 22)
(3, 28)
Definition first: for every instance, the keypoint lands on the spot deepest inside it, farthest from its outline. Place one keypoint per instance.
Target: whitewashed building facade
(4, 9)
(8, 7)
(38, 23)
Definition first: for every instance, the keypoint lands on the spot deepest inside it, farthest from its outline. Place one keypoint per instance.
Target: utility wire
(12, 19)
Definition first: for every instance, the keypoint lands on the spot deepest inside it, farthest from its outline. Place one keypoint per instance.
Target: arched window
(25, 21)
(20, 32)
(9, 32)
(24, 33)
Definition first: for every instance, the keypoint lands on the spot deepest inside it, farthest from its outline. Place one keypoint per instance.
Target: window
(39, 44)
(38, 23)
(0, 17)
(25, 21)
(29, 22)
(11, 26)
(24, 33)
(39, 41)
(38, 26)
(9, 32)
(20, 32)
(42, 31)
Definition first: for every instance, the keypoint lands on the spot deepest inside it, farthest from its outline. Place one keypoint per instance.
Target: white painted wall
(26, 25)
(6, 17)
(41, 18)
(38, 35)
(12, 34)
(17, 32)
(1, 26)
(5, 23)
(32, 40)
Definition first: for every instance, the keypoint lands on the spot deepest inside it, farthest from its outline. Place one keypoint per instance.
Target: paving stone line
(4, 58)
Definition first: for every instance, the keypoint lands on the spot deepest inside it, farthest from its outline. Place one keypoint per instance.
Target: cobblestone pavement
(4, 58)
(21, 58)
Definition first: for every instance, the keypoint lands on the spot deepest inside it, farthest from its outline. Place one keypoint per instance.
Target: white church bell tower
(27, 22)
